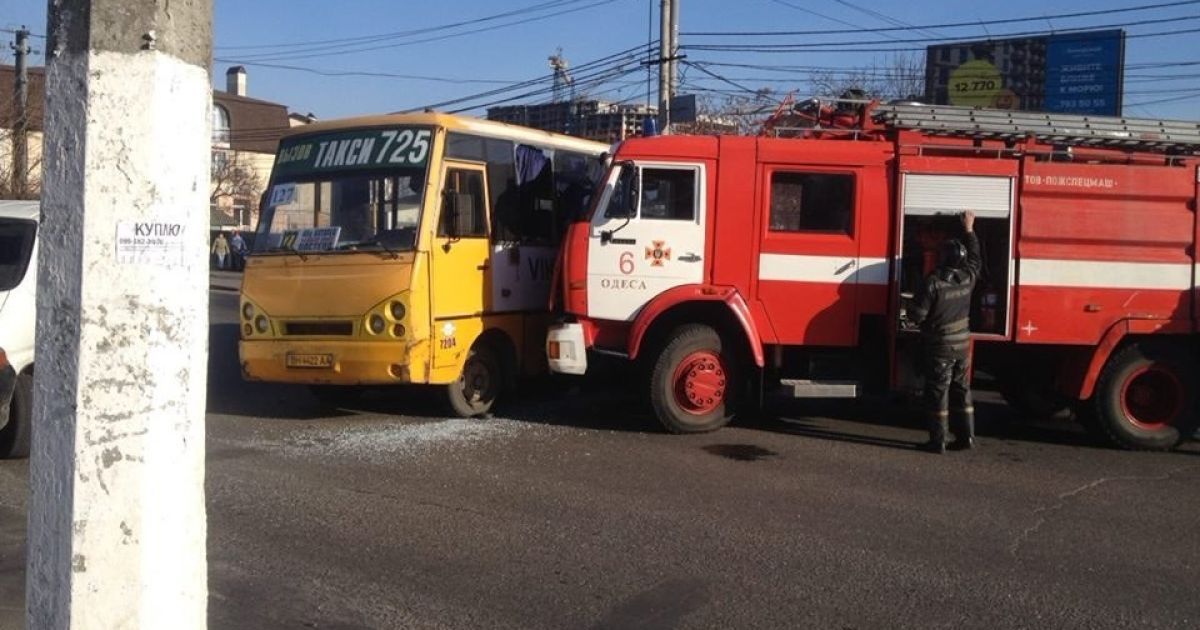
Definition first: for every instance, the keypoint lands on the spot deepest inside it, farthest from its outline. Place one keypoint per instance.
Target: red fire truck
(726, 266)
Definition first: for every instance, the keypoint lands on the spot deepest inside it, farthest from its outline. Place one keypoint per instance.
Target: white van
(18, 314)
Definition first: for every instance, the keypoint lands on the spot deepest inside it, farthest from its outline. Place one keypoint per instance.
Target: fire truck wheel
(480, 383)
(14, 437)
(693, 381)
(1144, 399)
(335, 396)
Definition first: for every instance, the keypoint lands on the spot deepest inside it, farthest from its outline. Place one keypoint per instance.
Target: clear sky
(410, 73)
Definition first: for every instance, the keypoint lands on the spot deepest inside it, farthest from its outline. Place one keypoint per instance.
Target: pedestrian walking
(942, 309)
(220, 247)
(238, 245)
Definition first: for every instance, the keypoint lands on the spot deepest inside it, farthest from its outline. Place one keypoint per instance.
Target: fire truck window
(669, 194)
(618, 201)
(812, 202)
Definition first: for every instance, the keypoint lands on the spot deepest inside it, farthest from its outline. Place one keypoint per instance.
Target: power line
(342, 50)
(1192, 95)
(14, 31)
(600, 81)
(811, 48)
(361, 73)
(886, 18)
(1079, 31)
(720, 78)
(398, 34)
(856, 29)
(603, 63)
(910, 73)
(785, 68)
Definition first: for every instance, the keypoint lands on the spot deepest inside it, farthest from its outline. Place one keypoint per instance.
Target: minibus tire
(692, 364)
(1145, 399)
(14, 437)
(483, 367)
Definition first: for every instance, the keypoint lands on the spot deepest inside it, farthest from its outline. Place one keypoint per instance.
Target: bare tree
(738, 114)
(900, 76)
(234, 179)
(33, 169)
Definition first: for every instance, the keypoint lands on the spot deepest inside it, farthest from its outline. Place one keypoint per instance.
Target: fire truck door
(809, 267)
(647, 236)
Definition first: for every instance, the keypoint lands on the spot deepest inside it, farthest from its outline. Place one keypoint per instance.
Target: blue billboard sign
(1083, 72)
(1076, 73)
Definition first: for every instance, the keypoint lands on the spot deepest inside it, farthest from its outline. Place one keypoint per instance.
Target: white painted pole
(664, 67)
(116, 521)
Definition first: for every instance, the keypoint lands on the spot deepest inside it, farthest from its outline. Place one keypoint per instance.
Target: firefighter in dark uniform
(942, 309)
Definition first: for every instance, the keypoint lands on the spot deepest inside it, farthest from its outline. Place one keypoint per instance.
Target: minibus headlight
(261, 324)
(397, 310)
(377, 324)
(398, 330)
(248, 311)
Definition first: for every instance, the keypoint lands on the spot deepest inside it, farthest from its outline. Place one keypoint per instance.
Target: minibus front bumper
(325, 362)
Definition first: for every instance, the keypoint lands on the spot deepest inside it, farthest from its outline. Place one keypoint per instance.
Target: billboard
(1076, 73)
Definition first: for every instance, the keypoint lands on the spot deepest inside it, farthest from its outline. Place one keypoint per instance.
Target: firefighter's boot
(937, 433)
(964, 429)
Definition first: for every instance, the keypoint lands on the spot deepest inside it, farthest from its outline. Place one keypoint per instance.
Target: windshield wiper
(375, 240)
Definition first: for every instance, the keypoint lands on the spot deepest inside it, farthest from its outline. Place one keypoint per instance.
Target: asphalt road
(573, 511)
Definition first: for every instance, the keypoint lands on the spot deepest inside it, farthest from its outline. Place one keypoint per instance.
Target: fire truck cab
(725, 266)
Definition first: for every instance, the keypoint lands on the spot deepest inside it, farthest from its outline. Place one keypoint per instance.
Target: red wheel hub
(1152, 398)
(700, 382)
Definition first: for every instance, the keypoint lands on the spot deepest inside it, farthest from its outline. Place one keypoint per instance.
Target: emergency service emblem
(658, 254)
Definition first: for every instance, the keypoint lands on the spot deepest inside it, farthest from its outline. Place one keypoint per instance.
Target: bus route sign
(361, 149)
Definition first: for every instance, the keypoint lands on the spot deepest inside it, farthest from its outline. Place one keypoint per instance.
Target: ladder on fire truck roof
(1107, 131)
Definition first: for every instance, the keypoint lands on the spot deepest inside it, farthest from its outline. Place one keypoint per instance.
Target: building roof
(254, 125)
(8, 101)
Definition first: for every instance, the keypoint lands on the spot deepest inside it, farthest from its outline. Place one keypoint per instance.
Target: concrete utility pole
(665, 82)
(20, 136)
(673, 57)
(116, 520)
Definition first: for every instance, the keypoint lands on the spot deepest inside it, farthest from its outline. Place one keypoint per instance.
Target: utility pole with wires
(666, 47)
(20, 134)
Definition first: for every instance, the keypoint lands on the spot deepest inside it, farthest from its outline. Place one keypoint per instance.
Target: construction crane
(562, 78)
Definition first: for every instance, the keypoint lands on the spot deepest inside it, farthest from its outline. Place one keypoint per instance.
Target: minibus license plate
(310, 360)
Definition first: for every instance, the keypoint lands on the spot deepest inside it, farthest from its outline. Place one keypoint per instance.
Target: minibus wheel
(479, 384)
